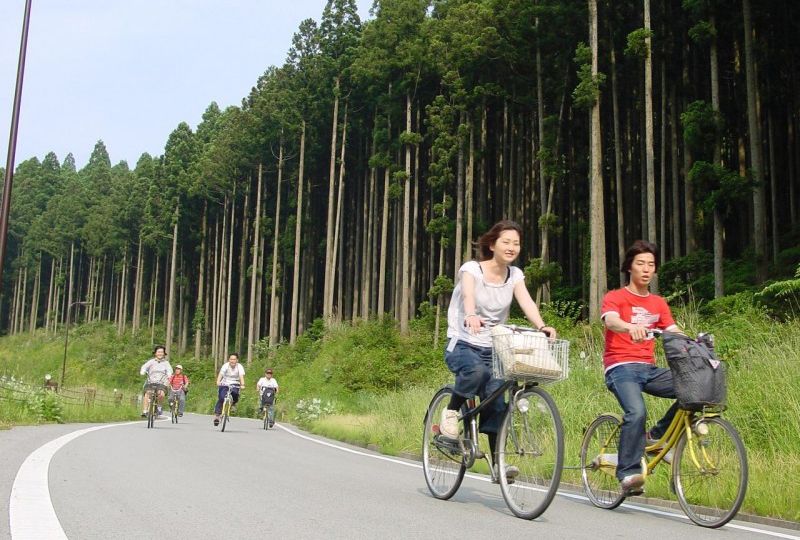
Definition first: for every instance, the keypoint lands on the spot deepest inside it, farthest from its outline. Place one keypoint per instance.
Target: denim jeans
(627, 382)
(181, 398)
(472, 366)
(222, 391)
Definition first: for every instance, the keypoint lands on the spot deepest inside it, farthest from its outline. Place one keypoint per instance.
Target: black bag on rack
(699, 376)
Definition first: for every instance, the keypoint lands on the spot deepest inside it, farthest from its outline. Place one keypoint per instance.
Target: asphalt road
(192, 481)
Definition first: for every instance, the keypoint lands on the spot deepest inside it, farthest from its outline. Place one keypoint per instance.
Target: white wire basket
(526, 354)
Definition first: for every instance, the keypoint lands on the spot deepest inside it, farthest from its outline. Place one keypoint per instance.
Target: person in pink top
(629, 358)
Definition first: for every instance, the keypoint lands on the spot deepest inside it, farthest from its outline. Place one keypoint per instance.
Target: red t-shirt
(650, 311)
(176, 381)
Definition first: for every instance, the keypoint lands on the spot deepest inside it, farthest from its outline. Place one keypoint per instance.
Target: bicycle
(268, 410)
(226, 406)
(709, 464)
(174, 404)
(531, 437)
(151, 390)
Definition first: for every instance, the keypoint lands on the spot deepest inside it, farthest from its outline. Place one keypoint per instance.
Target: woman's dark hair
(159, 347)
(637, 248)
(488, 238)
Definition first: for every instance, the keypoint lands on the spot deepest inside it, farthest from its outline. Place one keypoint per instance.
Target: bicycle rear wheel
(710, 473)
(442, 459)
(599, 451)
(531, 440)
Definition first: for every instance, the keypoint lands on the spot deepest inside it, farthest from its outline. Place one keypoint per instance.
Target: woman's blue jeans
(472, 366)
(627, 382)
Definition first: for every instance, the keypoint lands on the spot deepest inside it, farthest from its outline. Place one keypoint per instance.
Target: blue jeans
(222, 391)
(472, 366)
(627, 382)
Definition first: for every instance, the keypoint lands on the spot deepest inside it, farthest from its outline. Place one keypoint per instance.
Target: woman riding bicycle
(158, 370)
(629, 359)
(231, 375)
(482, 299)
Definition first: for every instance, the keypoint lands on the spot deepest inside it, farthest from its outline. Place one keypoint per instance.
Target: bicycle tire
(710, 473)
(266, 419)
(226, 408)
(598, 473)
(151, 413)
(443, 464)
(531, 439)
(174, 407)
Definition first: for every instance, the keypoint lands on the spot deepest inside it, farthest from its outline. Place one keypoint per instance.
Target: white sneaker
(448, 427)
(511, 474)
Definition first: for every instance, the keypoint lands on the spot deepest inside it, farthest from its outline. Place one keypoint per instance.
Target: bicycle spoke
(599, 462)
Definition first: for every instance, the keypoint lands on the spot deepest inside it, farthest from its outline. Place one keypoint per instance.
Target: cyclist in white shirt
(158, 371)
(231, 374)
(268, 389)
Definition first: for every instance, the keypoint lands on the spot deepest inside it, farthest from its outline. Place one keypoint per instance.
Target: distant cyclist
(158, 371)
(179, 386)
(268, 390)
(231, 375)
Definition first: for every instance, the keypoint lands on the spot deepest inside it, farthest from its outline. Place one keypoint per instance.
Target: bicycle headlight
(523, 405)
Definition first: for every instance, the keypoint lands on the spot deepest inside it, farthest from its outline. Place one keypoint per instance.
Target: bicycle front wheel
(174, 406)
(530, 453)
(226, 410)
(710, 473)
(151, 412)
(599, 451)
(442, 458)
(266, 418)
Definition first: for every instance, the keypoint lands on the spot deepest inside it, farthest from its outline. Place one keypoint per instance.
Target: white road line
(30, 510)
(484, 478)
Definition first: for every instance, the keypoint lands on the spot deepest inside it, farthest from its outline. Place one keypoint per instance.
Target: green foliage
(719, 188)
(782, 298)
(702, 128)
(569, 311)
(702, 32)
(441, 285)
(637, 46)
(587, 91)
(677, 273)
(549, 223)
(409, 137)
(538, 274)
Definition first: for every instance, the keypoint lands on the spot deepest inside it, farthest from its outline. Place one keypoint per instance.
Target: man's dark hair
(637, 248)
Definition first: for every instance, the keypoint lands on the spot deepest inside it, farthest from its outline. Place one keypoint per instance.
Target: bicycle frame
(473, 452)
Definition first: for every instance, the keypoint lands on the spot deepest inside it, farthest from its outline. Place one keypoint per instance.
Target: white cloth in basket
(525, 353)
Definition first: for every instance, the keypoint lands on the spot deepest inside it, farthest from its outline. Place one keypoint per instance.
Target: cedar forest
(353, 179)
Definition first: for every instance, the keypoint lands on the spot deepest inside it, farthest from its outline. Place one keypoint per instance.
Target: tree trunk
(597, 223)
(773, 183)
(406, 241)
(384, 227)
(251, 320)
(652, 233)
(336, 228)
(327, 294)
(719, 231)
(200, 325)
(618, 168)
(172, 274)
(239, 332)
(297, 231)
(458, 251)
(754, 137)
(274, 327)
(35, 298)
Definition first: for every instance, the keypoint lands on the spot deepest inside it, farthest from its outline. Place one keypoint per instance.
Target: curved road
(192, 481)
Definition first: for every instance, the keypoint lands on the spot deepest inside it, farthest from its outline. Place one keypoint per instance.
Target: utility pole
(5, 205)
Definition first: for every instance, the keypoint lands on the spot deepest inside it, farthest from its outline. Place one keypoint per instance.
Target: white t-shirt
(492, 304)
(263, 382)
(231, 375)
(157, 372)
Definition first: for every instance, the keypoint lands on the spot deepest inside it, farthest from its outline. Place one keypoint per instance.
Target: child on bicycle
(482, 299)
(231, 374)
(179, 386)
(268, 390)
(629, 359)
(158, 370)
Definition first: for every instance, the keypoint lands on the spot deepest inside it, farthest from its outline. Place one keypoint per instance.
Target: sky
(129, 71)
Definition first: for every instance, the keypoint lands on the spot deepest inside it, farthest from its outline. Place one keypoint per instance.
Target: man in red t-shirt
(629, 358)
